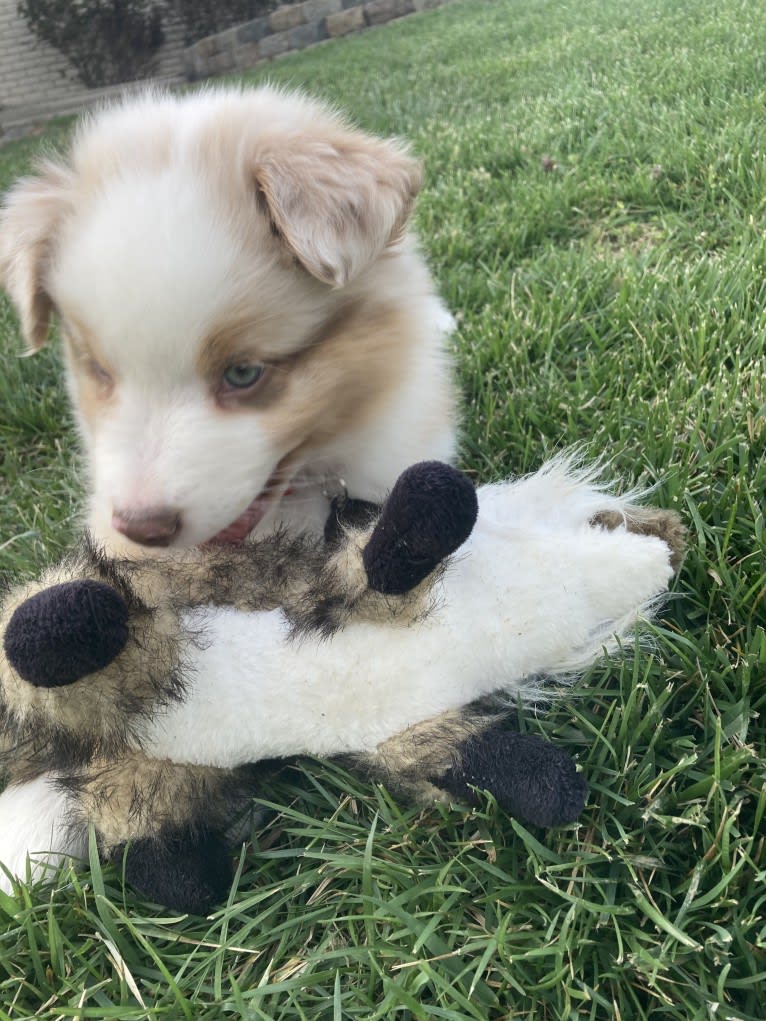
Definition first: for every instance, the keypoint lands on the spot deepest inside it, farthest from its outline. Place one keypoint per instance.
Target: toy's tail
(35, 830)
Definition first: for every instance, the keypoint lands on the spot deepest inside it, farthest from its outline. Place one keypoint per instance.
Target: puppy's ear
(29, 220)
(336, 200)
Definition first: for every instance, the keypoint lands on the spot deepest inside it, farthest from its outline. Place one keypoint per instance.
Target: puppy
(248, 327)
(248, 330)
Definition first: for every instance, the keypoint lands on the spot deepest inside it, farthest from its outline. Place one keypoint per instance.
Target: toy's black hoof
(529, 777)
(66, 632)
(183, 870)
(430, 513)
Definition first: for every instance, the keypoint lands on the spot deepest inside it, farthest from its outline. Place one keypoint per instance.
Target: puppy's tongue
(241, 527)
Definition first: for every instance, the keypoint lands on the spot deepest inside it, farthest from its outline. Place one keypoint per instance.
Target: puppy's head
(212, 261)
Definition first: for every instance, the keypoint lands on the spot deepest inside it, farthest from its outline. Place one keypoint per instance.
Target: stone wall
(36, 81)
(292, 28)
(32, 72)
(29, 70)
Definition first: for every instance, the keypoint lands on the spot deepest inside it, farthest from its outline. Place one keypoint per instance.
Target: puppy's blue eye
(97, 371)
(240, 377)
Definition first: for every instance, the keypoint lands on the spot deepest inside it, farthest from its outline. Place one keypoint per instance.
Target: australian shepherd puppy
(247, 323)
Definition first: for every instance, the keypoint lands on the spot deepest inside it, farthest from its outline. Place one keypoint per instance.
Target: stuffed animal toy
(135, 694)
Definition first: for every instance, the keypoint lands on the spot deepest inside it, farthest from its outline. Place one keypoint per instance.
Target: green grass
(617, 299)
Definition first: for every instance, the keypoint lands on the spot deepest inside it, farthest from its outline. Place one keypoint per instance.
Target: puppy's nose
(150, 526)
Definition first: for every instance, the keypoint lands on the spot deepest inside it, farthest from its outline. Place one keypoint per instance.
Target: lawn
(595, 213)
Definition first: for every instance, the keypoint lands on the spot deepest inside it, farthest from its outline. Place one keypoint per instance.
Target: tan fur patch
(336, 386)
(82, 356)
(337, 197)
(336, 382)
(665, 524)
(231, 343)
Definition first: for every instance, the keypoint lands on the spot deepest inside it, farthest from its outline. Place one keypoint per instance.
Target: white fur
(536, 592)
(34, 834)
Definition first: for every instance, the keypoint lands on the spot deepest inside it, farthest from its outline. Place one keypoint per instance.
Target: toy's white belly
(513, 606)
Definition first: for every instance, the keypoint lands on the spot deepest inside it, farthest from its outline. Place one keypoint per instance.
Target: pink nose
(151, 526)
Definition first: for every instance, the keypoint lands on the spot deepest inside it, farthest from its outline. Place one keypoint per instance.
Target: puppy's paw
(530, 778)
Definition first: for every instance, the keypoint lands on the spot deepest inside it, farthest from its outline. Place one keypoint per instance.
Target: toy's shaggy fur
(98, 749)
(316, 592)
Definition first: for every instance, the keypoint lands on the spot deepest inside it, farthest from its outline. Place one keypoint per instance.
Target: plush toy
(136, 693)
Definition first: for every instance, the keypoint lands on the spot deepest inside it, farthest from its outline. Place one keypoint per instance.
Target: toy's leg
(368, 550)
(410, 761)
(428, 515)
(384, 572)
(114, 625)
(186, 869)
(166, 825)
(457, 751)
(529, 777)
(82, 661)
(255, 576)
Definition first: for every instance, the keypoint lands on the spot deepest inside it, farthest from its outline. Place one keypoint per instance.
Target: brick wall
(292, 28)
(29, 70)
(33, 72)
